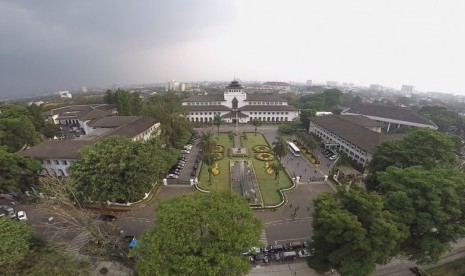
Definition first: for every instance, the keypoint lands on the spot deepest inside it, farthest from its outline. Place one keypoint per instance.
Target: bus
(293, 148)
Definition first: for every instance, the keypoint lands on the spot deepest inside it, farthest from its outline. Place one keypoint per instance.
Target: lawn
(454, 268)
(266, 181)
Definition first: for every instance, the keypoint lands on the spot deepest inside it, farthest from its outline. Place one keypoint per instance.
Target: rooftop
(348, 127)
(387, 111)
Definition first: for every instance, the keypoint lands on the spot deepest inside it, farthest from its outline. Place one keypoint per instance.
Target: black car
(107, 217)
(293, 245)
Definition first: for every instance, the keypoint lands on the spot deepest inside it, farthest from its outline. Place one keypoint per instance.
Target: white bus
(293, 148)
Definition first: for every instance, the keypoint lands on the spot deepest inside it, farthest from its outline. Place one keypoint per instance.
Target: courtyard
(247, 171)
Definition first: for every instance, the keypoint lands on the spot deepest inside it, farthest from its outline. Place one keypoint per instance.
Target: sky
(52, 45)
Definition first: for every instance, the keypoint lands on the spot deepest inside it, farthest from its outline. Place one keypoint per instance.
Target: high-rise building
(407, 88)
(309, 82)
(376, 87)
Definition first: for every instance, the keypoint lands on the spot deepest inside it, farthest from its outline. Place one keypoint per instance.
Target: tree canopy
(199, 234)
(422, 147)
(352, 232)
(15, 236)
(430, 203)
(16, 172)
(119, 169)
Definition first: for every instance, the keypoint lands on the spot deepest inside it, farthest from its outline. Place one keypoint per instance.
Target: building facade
(237, 106)
(356, 136)
(57, 156)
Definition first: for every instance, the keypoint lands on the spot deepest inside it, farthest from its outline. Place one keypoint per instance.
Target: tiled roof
(264, 98)
(125, 126)
(362, 121)
(387, 111)
(204, 98)
(96, 114)
(64, 149)
(207, 108)
(76, 111)
(347, 128)
(268, 108)
(234, 85)
(132, 128)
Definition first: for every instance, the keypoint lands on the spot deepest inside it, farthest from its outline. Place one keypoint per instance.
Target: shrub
(265, 156)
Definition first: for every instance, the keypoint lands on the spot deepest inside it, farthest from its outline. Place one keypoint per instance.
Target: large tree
(352, 232)
(167, 109)
(15, 236)
(199, 234)
(16, 172)
(217, 120)
(118, 169)
(430, 203)
(17, 127)
(422, 147)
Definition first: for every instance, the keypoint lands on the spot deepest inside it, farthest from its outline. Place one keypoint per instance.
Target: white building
(65, 94)
(407, 88)
(236, 106)
(57, 156)
(355, 136)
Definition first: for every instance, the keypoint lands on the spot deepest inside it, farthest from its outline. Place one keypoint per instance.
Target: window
(56, 162)
(64, 162)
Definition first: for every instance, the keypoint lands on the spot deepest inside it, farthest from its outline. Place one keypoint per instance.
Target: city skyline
(52, 46)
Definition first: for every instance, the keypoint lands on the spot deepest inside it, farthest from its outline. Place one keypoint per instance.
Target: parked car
(107, 217)
(21, 215)
(274, 248)
(252, 251)
(293, 245)
(260, 258)
(333, 157)
(285, 256)
(303, 253)
(9, 210)
(185, 151)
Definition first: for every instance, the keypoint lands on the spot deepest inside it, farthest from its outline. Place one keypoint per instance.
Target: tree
(15, 236)
(332, 98)
(16, 172)
(167, 109)
(280, 147)
(352, 232)
(217, 120)
(422, 147)
(305, 114)
(118, 169)
(207, 146)
(276, 167)
(110, 97)
(256, 123)
(17, 127)
(430, 204)
(199, 234)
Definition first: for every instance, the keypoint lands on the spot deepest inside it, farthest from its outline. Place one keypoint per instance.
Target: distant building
(389, 116)
(65, 94)
(332, 83)
(407, 88)
(177, 86)
(78, 115)
(277, 85)
(355, 136)
(309, 83)
(38, 103)
(84, 89)
(376, 87)
(237, 106)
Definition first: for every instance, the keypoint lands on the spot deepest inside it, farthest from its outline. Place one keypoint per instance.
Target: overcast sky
(46, 45)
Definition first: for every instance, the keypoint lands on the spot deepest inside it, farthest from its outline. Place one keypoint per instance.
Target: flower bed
(218, 156)
(261, 148)
(264, 156)
(218, 148)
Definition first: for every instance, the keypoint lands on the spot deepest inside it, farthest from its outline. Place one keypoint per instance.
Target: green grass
(268, 186)
(454, 268)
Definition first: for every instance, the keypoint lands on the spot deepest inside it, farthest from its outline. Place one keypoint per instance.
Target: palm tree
(256, 123)
(207, 146)
(276, 167)
(217, 120)
(207, 143)
(279, 147)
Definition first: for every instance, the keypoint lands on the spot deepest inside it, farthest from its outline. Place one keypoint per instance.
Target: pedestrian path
(264, 238)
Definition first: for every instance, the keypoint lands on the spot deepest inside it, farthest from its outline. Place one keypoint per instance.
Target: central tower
(235, 95)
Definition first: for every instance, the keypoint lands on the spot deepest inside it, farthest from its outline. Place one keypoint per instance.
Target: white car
(21, 215)
(333, 157)
(304, 253)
